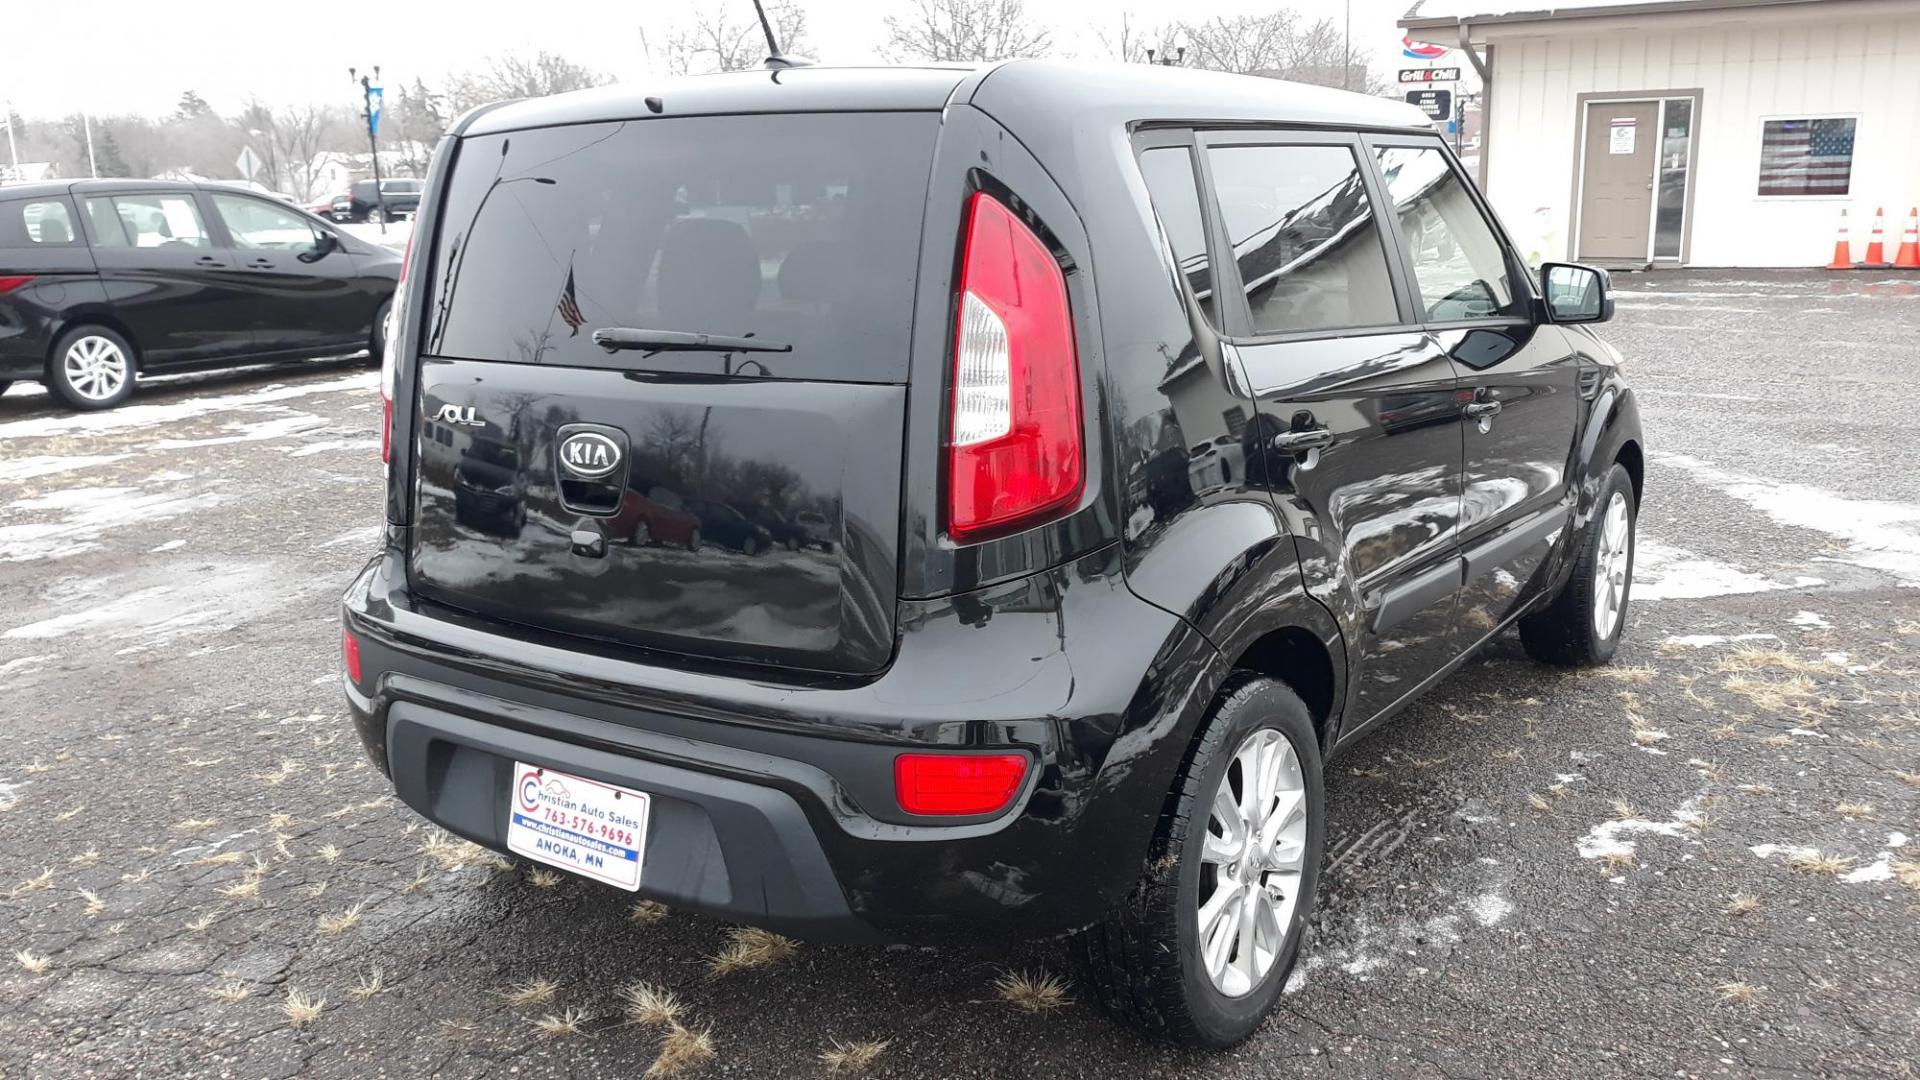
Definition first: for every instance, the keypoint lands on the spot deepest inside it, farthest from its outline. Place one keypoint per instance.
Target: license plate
(593, 829)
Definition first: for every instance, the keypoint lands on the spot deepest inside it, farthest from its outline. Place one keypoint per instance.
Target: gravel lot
(1696, 863)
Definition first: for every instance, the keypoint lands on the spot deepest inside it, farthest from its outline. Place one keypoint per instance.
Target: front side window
(147, 221)
(34, 223)
(1807, 157)
(262, 226)
(1304, 238)
(1168, 171)
(1460, 269)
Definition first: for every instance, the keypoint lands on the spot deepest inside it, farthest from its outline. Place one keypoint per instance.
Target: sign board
(248, 162)
(1620, 138)
(1421, 50)
(1437, 104)
(1429, 75)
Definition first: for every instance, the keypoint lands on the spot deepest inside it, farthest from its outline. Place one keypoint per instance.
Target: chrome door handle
(1300, 442)
(1480, 409)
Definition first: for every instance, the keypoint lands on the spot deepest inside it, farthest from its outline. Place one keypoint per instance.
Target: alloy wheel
(1610, 566)
(95, 367)
(1252, 858)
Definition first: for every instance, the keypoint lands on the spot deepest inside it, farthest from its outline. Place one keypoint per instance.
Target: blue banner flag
(373, 110)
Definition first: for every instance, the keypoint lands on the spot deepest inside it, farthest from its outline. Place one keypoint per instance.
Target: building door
(1616, 180)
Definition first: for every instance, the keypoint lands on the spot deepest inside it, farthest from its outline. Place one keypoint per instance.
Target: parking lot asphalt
(1703, 861)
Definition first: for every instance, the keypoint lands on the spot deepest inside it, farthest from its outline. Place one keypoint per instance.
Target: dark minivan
(105, 280)
(1039, 676)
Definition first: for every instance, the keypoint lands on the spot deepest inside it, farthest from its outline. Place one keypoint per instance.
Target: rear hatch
(739, 505)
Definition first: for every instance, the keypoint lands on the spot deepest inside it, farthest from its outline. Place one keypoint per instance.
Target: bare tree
(517, 75)
(1278, 45)
(966, 31)
(720, 38)
(1131, 42)
(299, 133)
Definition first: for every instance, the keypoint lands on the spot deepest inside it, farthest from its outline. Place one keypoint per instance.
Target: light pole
(12, 148)
(373, 144)
(1346, 52)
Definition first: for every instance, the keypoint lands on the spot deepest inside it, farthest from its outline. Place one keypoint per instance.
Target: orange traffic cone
(1876, 243)
(1909, 257)
(1842, 248)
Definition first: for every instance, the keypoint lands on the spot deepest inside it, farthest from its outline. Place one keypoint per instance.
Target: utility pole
(93, 169)
(373, 144)
(13, 149)
(1346, 52)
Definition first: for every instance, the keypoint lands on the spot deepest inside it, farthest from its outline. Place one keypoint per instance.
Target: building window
(1236, 419)
(1807, 157)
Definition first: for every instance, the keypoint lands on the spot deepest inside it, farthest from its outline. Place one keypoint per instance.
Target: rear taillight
(957, 785)
(389, 356)
(350, 655)
(1015, 455)
(10, 282)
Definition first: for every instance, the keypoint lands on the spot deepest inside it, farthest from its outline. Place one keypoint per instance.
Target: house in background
(27, 172)
(1632, 133)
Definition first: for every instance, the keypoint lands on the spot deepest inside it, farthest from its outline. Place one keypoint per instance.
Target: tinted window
(262, 226)
(1459, 268)
(797, 229)
(147, 221)
(36, 223)
(1304, 237)
(1176, 200)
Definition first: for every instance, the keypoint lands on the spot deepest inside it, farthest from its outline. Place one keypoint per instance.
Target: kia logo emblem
(589, 454)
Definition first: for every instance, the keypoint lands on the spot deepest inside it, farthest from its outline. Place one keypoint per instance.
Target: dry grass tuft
(85, 858)
(1818, 862)
(1648, 737)
(95, 905)
(1539, 802)
(646, 911)
(300, 1010)
(681, 1049)
(1774, 695)
(43, 880)
(69, 814)
(1724, 731)
(281, 775)
(1778, 742)
(1625, 810)
(341, 922)
(1854, 809)
(1905, 777)
(531, 992)
(541, 878)
(279, 821)
(1712, 770)
(1742, 904)
(1617, 862)
(1751, 658)
(851, 1058)
(420, 880)
(648, 1005)
(562, 1024)
(32, 961)
(1635, 675)
(1035, 993)
(1757, 789)
(194, 825)
(751, 947)
(200, 924)
(224, 858)
(453, 853)
(1906, 872)
(1738, 993)
(372, 984)
(328, 854)
(232, 991)
(1508, 754)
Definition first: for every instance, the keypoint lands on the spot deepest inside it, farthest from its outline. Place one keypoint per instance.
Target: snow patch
(140, 416)
(1663, 572)
(1702, 641)
(45, 465)
(1613, 837)
(258, 431)
(89, 513)
(1489, 909)
(1810, 618)
(171, 545)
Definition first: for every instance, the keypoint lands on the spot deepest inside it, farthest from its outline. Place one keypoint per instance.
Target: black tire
(750, 546)
(1143, 961)
(64, 389)
(642, 534)
(377, 341)
(375, 215)
(1564, 631)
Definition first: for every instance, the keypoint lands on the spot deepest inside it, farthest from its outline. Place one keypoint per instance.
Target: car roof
(111, 185)
(1063, 90)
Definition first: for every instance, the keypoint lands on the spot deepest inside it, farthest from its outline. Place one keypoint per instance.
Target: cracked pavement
(1695, 863)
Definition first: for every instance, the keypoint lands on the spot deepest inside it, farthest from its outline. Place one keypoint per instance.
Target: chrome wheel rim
(1610, 567)
(95, 367)
(1251, 860)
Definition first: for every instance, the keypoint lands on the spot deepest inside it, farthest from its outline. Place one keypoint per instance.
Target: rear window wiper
(616, 338)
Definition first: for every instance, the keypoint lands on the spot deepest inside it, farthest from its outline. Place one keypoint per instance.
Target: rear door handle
(1300, 442)
(1482, 408)
(208, 260)
(261, 264)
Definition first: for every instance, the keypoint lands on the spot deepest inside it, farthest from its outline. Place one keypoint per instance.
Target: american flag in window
(1807, 157)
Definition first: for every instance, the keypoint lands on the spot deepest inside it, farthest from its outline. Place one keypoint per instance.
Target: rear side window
(38, 223)
(1304, 237)
(147, 221)
(1176, 200)
(797, 229)
(1459, 267)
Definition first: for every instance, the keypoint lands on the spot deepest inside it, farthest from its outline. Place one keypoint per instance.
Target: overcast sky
(139, 57)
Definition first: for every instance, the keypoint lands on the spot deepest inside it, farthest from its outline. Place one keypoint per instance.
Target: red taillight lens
(350, 654)
(10, 282)
(1015, 454)
(955, 785)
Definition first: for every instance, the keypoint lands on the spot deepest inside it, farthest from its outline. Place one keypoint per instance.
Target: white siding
(1860, 60)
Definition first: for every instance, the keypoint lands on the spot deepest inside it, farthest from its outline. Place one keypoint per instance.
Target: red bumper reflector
(350, 654)
(957, 785)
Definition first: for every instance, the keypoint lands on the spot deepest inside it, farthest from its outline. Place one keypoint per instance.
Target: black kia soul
(1163, 431)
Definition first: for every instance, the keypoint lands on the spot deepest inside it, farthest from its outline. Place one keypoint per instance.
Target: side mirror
(324, 244)
(1577, 293)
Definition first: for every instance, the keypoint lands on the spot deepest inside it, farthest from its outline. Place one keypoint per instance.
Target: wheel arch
(89, 316)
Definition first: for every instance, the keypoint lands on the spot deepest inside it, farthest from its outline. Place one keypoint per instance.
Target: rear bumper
(774, 804)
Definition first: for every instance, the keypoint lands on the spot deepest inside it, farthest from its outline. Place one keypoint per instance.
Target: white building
(1692, 132)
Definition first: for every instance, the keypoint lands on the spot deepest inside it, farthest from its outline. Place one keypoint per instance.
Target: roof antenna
(775, 59)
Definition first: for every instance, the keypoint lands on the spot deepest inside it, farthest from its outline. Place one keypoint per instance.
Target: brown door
(1616, 186)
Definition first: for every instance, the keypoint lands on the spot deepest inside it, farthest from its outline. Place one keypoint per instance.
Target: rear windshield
(800, 230)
